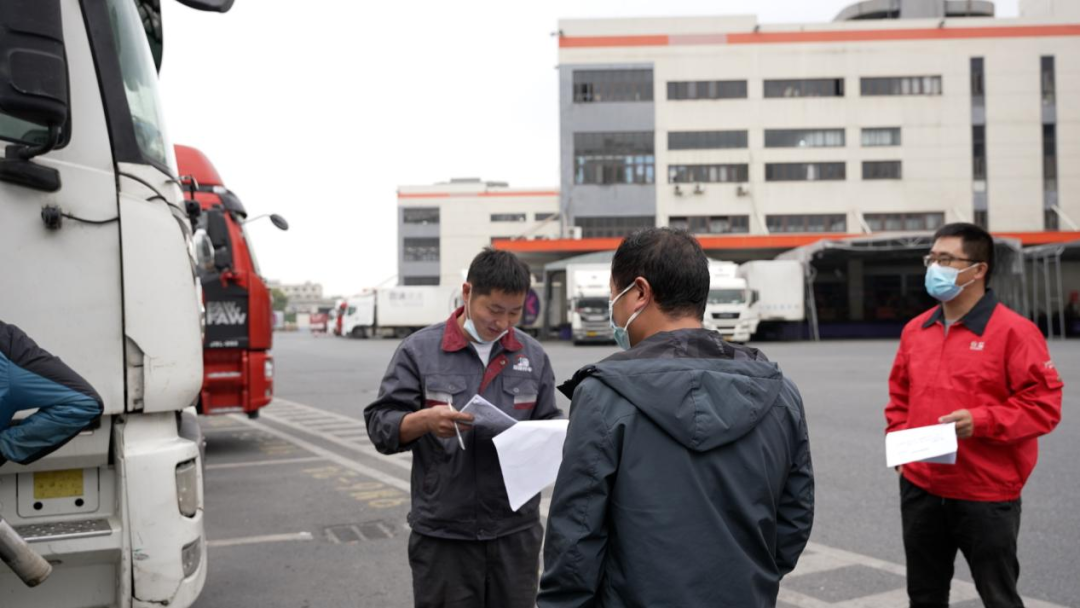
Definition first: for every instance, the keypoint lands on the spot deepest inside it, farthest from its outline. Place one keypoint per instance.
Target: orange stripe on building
(804, 37)
(608, 41)
(743, 242)
(526, 194)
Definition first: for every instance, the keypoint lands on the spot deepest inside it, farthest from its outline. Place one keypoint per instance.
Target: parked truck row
(741, 298)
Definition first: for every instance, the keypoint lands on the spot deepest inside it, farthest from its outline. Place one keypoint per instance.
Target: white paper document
(530, 453)
(487, 416)
(935, 443)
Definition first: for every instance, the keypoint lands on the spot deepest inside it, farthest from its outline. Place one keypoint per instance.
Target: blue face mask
(470, 327)
(941, 282)
(622, 336)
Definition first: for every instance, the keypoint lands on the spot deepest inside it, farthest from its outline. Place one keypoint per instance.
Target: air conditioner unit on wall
(699, 189)
(678, 190)
(742, 191)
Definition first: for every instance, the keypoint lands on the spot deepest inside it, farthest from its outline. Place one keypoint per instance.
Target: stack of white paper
(935, 443)
(530, 453)
(487, 416)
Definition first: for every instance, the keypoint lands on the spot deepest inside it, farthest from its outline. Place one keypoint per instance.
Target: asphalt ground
(302, 512)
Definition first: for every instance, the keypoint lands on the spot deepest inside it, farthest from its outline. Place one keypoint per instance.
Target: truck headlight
(187, 487)
(191, 557)
(268, 369)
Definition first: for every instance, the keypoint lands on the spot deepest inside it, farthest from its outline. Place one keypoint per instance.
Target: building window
(804, 172)
(982, 220)
(612, 227)
(806, 223)
(421, 249)
(904, 222)
(606, 86)
(904, 85)
(978, 152)
(1051, 221)
(817, 87)
(878, 137)
(614, 158)
(804, 138)
(1049, 87)
(978, 78)
(543, 217)
(420, 215)
(708, 174)
(420, 281)
(706, 89)
(706, 140)
(508, 217)
(881, 169)
(714, 224)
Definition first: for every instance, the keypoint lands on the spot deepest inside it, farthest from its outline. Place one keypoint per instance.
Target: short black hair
(673, 263)
(977, 243)
(501, 270)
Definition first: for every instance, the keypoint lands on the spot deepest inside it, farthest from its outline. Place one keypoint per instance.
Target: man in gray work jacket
(686, 476)
(468, 548)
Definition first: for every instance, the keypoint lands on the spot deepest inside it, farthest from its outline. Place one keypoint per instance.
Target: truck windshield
(140, 80)
(593, 304)
(727, 296)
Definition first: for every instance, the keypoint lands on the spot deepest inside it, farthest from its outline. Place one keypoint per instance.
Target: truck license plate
(58, 484)
(590, 334)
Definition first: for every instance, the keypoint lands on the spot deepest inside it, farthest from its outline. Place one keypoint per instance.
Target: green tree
(281, 301)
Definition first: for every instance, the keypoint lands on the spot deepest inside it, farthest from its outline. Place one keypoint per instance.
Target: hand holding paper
(935, 443)
(487, 416)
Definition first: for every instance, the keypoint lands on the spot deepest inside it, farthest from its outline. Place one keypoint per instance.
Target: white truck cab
(588, 290)
(100, 271)
(731, 306)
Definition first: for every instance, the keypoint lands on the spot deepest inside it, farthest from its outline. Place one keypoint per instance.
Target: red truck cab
(238, 369)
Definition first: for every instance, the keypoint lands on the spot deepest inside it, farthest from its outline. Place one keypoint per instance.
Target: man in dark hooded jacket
(686, 476)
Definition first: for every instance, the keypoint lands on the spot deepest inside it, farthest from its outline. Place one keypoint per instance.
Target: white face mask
(470, 327)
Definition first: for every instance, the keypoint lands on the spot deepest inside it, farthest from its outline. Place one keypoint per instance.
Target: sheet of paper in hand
(529, 455)
(935, 443)
(487, 416)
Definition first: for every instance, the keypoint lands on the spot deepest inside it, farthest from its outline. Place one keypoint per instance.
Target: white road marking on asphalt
(262, 463)
(257, 540)
(390, 480)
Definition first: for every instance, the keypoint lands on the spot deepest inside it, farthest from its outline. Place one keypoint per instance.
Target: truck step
(64, 530)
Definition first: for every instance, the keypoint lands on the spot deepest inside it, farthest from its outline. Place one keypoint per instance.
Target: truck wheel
(253, 415)
(357, 333)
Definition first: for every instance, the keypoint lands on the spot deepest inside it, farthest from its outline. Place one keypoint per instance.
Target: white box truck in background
(730, 309)
(394, 312)
(358, 316)
(781, 289)
(588, 292)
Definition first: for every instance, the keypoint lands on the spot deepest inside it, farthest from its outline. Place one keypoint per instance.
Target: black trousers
(985, 532)
(500, 573)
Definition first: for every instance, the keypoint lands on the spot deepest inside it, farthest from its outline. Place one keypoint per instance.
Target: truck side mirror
(279, 222)
(217, 6)
(33, 89)
(218, 231)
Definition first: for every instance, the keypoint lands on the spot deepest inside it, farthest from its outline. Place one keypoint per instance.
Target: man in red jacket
(975, 362)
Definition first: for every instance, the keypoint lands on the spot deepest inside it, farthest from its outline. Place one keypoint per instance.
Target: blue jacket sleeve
(35, 379)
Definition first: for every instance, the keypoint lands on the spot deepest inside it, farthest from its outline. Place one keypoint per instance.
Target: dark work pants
(500, 573)
(985, 532)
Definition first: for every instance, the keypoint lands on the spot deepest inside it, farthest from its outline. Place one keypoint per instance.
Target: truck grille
(725, 315)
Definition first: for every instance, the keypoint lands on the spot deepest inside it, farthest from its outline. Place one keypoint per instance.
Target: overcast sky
(318, 110)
